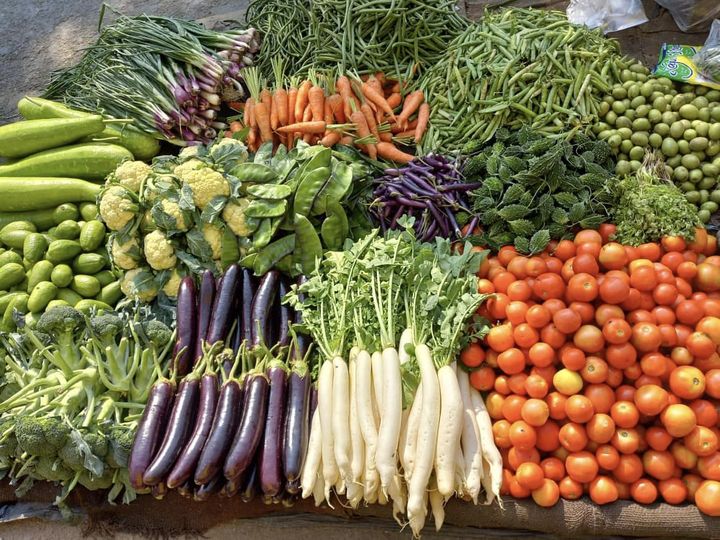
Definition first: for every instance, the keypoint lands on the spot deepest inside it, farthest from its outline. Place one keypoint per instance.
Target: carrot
(363, 130)
(331, 138)
(236, 126)
(397, 128)
(373, 82)
(380, 77)
(328, 114)
(378, 99)
(266, 98)
(336, 105)
(411, 104)
(281, 104)
(290, 141)
(302, 99)
(274, 114)
(370, 119)
(390, 152)
(316, 98)
(292, 99)
(262, 116)
(408, 134)
(307, 114)
(347, 140)
(422, 121)
(313, 126)
(395, 88)
(395, 99)
(236, 105)
(343, 86)
(386, 136)
(248, 114)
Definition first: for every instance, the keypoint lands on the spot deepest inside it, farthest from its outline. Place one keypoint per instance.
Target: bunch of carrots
(369, 112)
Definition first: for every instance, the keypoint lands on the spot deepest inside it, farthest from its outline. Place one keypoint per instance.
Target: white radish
(408, 442)
(448, 441)
(313, 457)
(406, 338)
(427, 438)
(382, 498)
(437, 503)
(396, 490)
(319, 490)
(390, 417)
(341, 418)
(357, 464)
(326, 407)
(366, 419)
(377, 378)
(340, 486)
(470, 439)
(460, 483)
(492, 479)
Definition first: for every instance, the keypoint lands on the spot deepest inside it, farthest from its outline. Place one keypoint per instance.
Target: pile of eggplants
(432, 190)
(209, 429)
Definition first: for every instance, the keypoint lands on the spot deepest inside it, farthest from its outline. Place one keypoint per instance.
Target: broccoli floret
(64, 324)
(98, 444)
(72, 457)
(9, 443)
(41, 436)
(51, 469)
(121, 441)
(157, 333)
(105, 328)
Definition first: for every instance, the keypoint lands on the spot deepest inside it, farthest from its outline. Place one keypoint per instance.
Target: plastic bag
(692, 14)
(708, 58)
(610, 15)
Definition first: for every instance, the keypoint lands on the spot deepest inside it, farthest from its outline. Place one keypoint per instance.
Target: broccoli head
(106, 327)
(41, 436)
(98, 444)
(157, 333)
(121, 441)
(60, 321)
(8, 444)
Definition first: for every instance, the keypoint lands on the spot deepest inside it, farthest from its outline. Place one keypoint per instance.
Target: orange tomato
(530, 475)
(483, 379)
(658, 464)
(573, 437)
(553, 468)
(709, 466)
(511, 407)
(646, 337)
(614, 290)
(702, 441)
(548, 286)
(700, 345)
(673, 490)
(601, 396)
(621, 356)
(613, 256)
(630, 468)
(541, 354)
(587, 236)
(535, 412)
(707, 498)
(472, 355)
(548, 437)
(625, 414)
(536, 387)
(607, 456)
(581, 466)
(517, 457)
(546, 495)
(556, 404)
(511, 361)
(570, 489)
(579, 409)
(626, 440)
(600, 428)
(678, 419)
(705, 412)
(595, 370)
(650, 399)
(644, 491)
(501, 433)
(522, 435)
(603, 490)
(589, 338)
(687, 382)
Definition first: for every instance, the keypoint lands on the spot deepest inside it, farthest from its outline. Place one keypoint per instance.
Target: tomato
(537, 316)
(535, 412)
(712, 383)
(515, 312)
(625, 414)
(708, 277)
(633, 300)
(516, 457)
(472, 355)
(643, 278)
(678, 419)
(705, 412)
(673, 490)
(511, 407)
(541, 354)
(641, 315)
(600, 428)
(627, 441)
(658, 438)
(548, 286)
(650, 399)
(496, 306)
(653, 364)
(530, 475)
(615, 377)
(567, 382)
(517, 266)
(607, 457)
(672, 260)
(506, 254)
(547, 494)
(585, 309)
(669, 335)
(519, 290)
(614, 290)
(616, 331)
(658, 464)
(548, 439)
(582, 287)
(643, 491)
(700, 345)
(536, 387)
(687, 382)
(585, 263)
(556, 404)
(516, 490)
(494, 403)
(501, 433)
(702, 441)
(570, 489)
(709, 466)
(567, 321)
(625, 392)
(564, 250)
(511, 361)
(601, 396)
(629, 469)
(711, 327)
(500, 338)
(595, 370)
(603, 490)
(621, 356)
(516, 384)
(650, 251)
(552, 336)
(606, 312)
(573, 437)
(581, 466)
(589, 338)
(646, 337)
(707, 498)
(588, 236)
(572, 357)
(613, 256)
(665, 294)
(686, 270)
(483, 379)
(689, 312)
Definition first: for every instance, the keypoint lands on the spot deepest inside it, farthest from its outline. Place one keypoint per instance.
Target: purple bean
(408, 202)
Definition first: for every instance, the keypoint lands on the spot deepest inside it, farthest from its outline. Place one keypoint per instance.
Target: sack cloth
(175, 515)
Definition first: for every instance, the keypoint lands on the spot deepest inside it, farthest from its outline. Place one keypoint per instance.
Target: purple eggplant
(296, 422)
(231, 487)
(203, 492)
(159, 491)
(249, 488)
(261, 307)
(250, 431)
(227, 417)
(205, 305)
(177, 432)
(186, 326)
(149, 431)
(186, 490)
(185, 465)
(248, 293)
(293, 487)
(222, 311)
(286, 316)
(271, 450)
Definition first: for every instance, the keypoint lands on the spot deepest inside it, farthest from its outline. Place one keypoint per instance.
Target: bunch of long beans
(518, 66)
(168, 75)
(394, 36)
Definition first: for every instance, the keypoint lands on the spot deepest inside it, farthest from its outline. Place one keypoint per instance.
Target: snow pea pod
(335, 228)
(320, 158)
(265, 231)
(272, 254)
(254, 172)
(308, 190)
(335, 189)
(273, 192)
(261, 208)
(307, 245)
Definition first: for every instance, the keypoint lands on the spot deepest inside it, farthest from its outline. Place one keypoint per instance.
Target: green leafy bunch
(536, 188)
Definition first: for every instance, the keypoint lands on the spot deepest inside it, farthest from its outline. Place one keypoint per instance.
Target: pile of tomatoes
(601, 370)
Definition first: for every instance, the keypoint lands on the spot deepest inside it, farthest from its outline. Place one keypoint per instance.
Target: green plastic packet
(675, 63)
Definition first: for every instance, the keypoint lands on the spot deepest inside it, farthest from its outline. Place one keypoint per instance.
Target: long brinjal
(249, 433)
(223, 306)
(296, 425)
(249, 488)
(261, 308)
(286, 316)
(186, 326)
(227, 417)
(177, 433)
(184, 467)
(202, 493)
(248, 293)
(271, 472)
(149, 431)
(204, 308)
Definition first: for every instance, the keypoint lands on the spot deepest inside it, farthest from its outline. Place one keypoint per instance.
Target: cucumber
(42, 271)
(34, 247)
(61, 275)
(86, 286)
(92, 235)
(89, 161)
(41, 295)
(64, 212)
(68, 230)
(9, 297)
(62, 250)
(89, 211)
(142, 145)
(10, 257)
(27, 137)
(11, 274)
(105, 277)
(89, 263)
(69, 296)
(14, 239)
(110, 293)
(36, 193)
(87, 305)
(42, 219)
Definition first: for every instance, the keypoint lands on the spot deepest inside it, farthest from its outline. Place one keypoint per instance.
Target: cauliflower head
(213, 236)
(157, 184)
(126, 255)
(173, 284)
(159, 251)
(139, 283)
(172, 210)
(117, 207)
(130, 174)
(189, 151)
(234, 216)
(205, 183)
